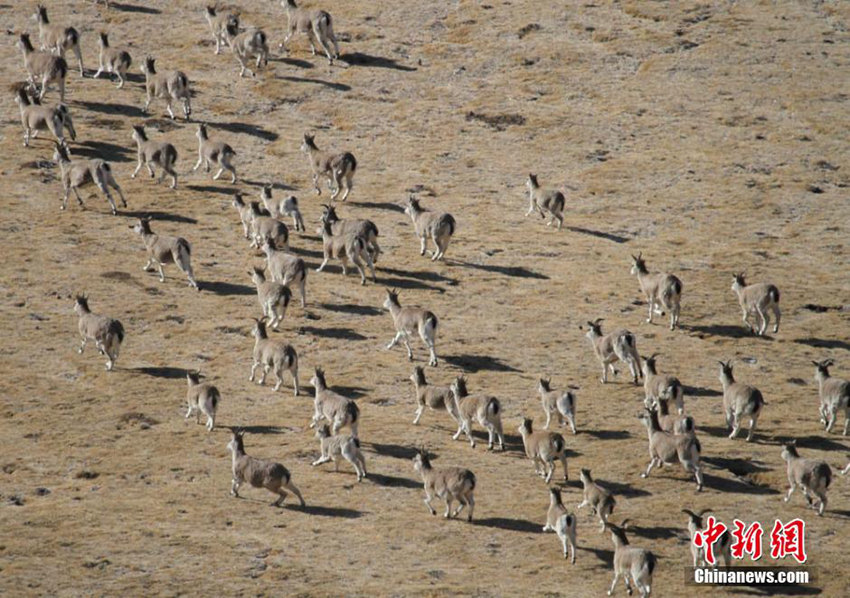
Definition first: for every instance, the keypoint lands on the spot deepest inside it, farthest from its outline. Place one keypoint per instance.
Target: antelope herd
(672, 437)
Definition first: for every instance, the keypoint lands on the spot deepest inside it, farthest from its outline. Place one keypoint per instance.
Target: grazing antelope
(272, 355)
(113, 60)
(543, 447)
(561, 403)
(658, 386)
(360, 227)
(435, 397)
(80, 173)
(273, 296)
(408, 320)
(448, 483)
(162, 249)
(756, 300)
(259, 473)
(214, 152)
(342, 444)
(722, 547)
(43, 68)
(545, 202)
(337, 168)
(285, 207)
(617, 345)
(739, 400)
(485, 409)
(56, 38)
(662, 290)
(438, 226)
(202, 398)
(562, 522)
(600, 501)
(246, 46)
(286, 268)
(107, 333)
(637, 563)
(172, 86)
(218, 25)
(667, 448)
(812, 475)
(834, 395)
(161, 153)
(317, 25)
(35, 118)
(335, 408)
(344, 247)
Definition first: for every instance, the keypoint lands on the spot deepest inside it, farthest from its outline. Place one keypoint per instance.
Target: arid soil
(710, 136)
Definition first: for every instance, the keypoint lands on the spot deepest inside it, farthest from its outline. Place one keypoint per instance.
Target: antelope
(343, 444)
(290, 270)
(722, 547)
(337, 409)
(161, 153)
(656, 386)
(637, 563)
(739, 400)
(435, 397)
(662, 290)
(545, 202)
(666, 448)
(286, 207)
(756, 300)
(80, 173)
(202, 398)
(214, 152)
(260, 473)
(812, 475)
(561, 403)
(107, 333)
(484, 409)
(543, 448)
(317, 25)
(171, 86)
(448, 483)
(273, 296)
(673, 423)
(834, 395)
(617, 345)
(43, 67)
(562, 522)
(267, 228)
(247, 45)
(272, 355)
(113, 60)
(56, 38)
(408, 320)
(337, 168)
(35, 118)
(165, 250)
(600, 501)
(245, 214)
(361, 227)
(344, 247)
(218, 25)
(438, 226)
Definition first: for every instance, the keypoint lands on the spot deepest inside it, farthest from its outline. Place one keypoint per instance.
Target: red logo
(788, 540)
(706, 538)
(746, 540)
